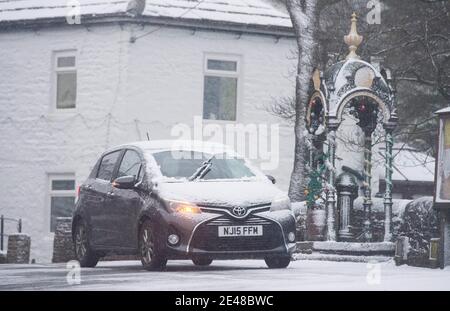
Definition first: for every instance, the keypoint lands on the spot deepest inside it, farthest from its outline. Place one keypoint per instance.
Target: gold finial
(316, 79)
(353, 39)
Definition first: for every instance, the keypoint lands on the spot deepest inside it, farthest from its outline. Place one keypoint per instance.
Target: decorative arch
(316, 112)
(363, 93)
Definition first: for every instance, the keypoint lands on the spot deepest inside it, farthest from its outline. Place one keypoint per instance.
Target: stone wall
(63, 248)
(62, 244)
(18, 248)
(2, 257)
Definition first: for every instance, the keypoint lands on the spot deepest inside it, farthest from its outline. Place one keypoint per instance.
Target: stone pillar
(2, 257)
(388, 192)
(367, 186)
(347, 189)
(331, 190)
(18, 248)
(62, 243)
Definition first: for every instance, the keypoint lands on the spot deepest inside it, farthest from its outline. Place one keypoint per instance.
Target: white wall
(124, 90)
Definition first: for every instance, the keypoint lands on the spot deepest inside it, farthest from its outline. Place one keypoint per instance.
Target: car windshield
(184, 164)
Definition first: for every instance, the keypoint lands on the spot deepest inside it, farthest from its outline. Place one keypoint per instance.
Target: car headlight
(280, 203)
(183, 207)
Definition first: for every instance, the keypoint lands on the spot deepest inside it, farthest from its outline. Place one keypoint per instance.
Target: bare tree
(305, 17)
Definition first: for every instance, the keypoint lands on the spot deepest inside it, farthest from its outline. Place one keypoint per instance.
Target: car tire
(83, 252)
(278, 262)
(202, 261)
(149, 250)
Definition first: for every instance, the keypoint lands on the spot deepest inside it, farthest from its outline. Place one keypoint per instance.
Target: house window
(65, 80)
(220, 89)
(62, 197)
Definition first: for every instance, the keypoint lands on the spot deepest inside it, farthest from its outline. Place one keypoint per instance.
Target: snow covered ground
(228, 275)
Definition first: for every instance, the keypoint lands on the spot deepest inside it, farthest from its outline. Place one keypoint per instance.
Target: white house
(76, 80)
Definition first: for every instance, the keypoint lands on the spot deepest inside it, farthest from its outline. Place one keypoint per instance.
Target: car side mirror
(125, 182)
(272, 179)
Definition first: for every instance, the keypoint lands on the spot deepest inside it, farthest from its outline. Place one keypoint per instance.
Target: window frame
(223, 74)
(57, 70)
(122, 156)
(58, 193)
(121, 153)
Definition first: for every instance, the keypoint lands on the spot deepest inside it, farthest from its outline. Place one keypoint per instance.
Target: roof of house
(412, 165)
(443, 110)
(259, 13)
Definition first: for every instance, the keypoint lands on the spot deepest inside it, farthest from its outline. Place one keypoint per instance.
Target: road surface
(226, 275)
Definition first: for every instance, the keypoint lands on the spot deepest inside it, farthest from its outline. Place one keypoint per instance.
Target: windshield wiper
(202, 170)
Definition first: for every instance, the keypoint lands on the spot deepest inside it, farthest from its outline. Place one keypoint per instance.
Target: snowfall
(233, 275)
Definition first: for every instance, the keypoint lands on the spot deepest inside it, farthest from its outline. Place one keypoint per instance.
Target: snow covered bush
(420, 225)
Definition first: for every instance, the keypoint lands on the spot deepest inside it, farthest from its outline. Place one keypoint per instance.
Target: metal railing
(2, 228)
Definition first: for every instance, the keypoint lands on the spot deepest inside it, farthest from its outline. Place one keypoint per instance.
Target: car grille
(263, 207)
(206, 236)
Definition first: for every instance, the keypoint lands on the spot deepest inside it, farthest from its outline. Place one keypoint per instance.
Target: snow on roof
(258, 12)
(250, 12)
(443, 110)
(412, 165)
(14, 10)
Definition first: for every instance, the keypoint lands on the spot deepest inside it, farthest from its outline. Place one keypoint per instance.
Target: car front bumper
(199, 236)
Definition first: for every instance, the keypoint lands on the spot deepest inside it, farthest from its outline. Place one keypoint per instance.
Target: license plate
(227, 231)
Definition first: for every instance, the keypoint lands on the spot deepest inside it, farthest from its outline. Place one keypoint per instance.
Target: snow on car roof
(187, 145)
(252, 12)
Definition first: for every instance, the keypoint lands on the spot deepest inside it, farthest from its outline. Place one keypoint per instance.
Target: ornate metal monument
(368, 95)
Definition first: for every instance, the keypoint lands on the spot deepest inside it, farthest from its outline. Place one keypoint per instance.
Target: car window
(107, 165)
(130, 165)
(183, 164)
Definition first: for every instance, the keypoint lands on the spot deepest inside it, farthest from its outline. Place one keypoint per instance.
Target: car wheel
(149, 251)
(202, 261)
(83, 252)
(277, 262)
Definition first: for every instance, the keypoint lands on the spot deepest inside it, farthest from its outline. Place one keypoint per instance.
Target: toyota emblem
(239, 211)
